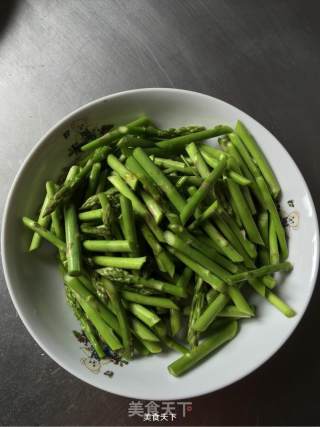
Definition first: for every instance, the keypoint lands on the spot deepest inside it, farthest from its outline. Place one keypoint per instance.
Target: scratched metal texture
(263, 57)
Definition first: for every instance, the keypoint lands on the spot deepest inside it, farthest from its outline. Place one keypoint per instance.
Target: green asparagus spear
(122, 171)
(274, 216)
(197, 160)
(107, 245)
(68, 188)
(202, 191)
(160, 179)
(44, 222)
(244, 212)
(144, 314)
(43, 232)
(122, 276)
(162, 258)
(73, 251)
(259, 158)
(273, 244)
(271, 297)
(175, 145)
(262, 271)
(93, 179)
(149, 300)
(114, 134)
(217, 339)
(121, 315)
(119, 262)
(204, 273)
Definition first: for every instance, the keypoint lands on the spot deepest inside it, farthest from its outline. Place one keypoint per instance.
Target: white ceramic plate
(37, 291)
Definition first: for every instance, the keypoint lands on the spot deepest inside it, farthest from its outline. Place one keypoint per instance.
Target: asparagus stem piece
(120, 262)
(202, 191)
(89, 332)
(273, 244)
(129, 226)
(153, 206)
(93, 179)
(184, 279)
(122, 171)
(263, 220)
(211, 312)
(121, 316)
(160, 179)
(43, 232)
(71, 184)
(162, 258)
(119, 275)
(244, 212)
(197, 160)
(175, 322)
(269, 281)
(102, 181)
(147, 183)
(151, 131)
(128, 142)
(228, 250)
(240, 180)
(43, 221)
(143, 331)
(211, 295)
(231, 149)
(84, 294)
(185, 180)
(211, 151)
(147, 316)
(274, 216)
(73, 248)
(98, 231)
(234, 312)
(152, 347)
(244, 153)
(198, 257)
(93, 201)
(107, 245)
(137, 205)
(106, 211)
(239, 301)
(114, 134)
(232, 237)
(55, 217)
(89, 305)
(271, 297)
(248, 246)
(174, 165)
(122, 187)
(217, 339)
(93, 215)
(203, 272)
(204, 245)
(139, 347)
(206, 214)
(258, 272)
(259, 158)
(177, 144)
(174, 345)
(197, 305)
(149, 300)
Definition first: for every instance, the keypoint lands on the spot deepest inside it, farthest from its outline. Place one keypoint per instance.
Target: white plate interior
(36, 287)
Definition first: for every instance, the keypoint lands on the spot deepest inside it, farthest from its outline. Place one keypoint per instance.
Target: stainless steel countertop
(260, 56)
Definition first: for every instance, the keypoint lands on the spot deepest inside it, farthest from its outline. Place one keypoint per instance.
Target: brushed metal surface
(260, 56)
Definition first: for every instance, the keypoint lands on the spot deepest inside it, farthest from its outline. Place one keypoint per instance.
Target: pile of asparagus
(161, 236)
